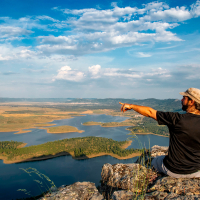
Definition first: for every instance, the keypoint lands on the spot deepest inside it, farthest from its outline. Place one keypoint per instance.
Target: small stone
(53, 189)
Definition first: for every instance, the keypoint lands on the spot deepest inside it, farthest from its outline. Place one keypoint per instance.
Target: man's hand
(143, 110)
(125, 107)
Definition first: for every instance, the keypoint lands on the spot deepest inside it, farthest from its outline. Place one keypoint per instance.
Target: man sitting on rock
(183, 159)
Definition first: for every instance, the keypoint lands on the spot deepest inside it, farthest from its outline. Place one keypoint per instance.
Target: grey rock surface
(158, 151)
(76, 191)
(127, 176)
(150, 185)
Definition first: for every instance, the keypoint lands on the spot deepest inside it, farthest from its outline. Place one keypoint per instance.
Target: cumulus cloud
(11, 28)
(169, 15)
(195, 9)
(94, 70)
(66, 73)
(98, 30)
(95, 30)
(157, 76)
(11, 31)
(9, 52)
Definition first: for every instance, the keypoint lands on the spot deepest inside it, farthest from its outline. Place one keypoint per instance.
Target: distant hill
(4, 100)
(108, 103)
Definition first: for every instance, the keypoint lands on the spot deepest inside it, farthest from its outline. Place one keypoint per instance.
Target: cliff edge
(131, 181)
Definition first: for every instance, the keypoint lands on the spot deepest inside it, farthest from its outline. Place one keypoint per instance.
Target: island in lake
(78, 148)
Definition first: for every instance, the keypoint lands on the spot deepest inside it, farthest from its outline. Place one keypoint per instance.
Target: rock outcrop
(129, 177)
(131, 181)
(76, 191)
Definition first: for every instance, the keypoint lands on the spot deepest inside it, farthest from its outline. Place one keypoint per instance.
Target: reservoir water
(65, 170)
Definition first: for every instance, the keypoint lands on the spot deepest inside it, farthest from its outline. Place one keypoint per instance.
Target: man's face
(184, 102)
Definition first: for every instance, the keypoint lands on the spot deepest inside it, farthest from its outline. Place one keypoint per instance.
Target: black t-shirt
(184, 147)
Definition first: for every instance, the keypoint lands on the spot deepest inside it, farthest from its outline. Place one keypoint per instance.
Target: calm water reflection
(65, 170)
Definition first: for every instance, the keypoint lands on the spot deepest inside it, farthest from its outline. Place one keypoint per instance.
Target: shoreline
(109, 126)
(65, 154)
(78, 131)
(5, 161)
(21, 131)
(146, 134)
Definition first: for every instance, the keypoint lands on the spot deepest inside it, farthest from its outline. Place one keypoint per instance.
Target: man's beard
(184, 107)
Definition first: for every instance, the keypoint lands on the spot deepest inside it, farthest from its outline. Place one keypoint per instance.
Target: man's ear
(191, 102)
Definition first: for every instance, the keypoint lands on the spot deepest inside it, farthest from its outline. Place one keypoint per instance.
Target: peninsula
(78, 148)
(127, 122)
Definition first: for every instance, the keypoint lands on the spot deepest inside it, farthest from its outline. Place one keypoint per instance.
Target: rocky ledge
(76, 191)
(131, 181)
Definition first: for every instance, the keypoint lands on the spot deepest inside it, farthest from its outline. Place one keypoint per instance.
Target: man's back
(184, 148)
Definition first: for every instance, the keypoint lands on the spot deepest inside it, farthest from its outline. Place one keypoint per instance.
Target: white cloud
(113, 72)
(44, 17)
(11, 31)
(170, 15)
(103, 30)
(153, 6)
(5, 57)
(66, 73)
(143, 55)
(161, 73)
(96, 30)
(195, 9)
(9, 52)
(94, 70)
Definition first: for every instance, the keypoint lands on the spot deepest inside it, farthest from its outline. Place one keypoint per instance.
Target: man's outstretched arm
(143, 110)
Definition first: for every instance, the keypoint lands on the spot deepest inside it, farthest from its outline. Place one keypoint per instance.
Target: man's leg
(193, 175)
(158, 165)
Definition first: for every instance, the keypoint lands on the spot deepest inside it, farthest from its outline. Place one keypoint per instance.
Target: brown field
(127, 122)
(63, 129)
(19, 116)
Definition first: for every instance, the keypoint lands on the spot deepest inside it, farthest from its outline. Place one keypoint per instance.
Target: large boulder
(78, 191)
(130, 179)
(127, 176)
(133, 181)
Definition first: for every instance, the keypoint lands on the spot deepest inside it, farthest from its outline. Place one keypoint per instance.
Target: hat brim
(183, 93)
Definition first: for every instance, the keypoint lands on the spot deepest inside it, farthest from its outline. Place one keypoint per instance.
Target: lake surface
(65, 170)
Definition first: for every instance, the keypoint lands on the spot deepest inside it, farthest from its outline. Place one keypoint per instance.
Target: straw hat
(193, 93)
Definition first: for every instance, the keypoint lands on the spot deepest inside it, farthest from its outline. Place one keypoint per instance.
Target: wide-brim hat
(193, 93)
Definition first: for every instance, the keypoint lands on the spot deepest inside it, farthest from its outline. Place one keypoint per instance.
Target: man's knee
(157, 163)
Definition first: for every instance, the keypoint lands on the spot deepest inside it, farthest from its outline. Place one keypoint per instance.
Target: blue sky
(100, 49)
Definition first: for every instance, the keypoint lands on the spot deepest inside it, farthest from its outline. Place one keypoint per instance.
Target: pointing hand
(125, 107)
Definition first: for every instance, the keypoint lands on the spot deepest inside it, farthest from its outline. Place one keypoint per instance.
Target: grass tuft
(44, 184)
